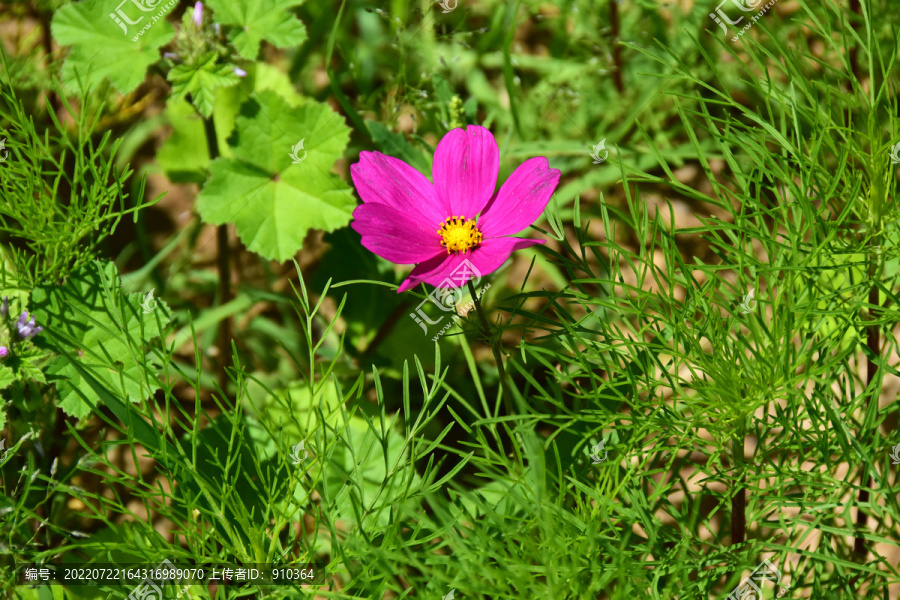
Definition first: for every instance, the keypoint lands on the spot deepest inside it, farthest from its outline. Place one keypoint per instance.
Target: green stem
(495, 348)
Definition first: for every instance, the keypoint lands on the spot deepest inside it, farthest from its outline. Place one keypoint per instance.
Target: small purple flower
(198, 14)
(27, 329)
(170, 56)
(4, 351)
(240, 72)
(216, 29)
(4, 307)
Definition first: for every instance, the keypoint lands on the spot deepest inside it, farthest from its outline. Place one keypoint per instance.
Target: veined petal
(466, 164)
(521, 199)
(383, 179)
(395, 236)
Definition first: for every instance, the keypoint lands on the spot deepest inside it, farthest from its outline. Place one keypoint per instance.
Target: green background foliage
(144, 427)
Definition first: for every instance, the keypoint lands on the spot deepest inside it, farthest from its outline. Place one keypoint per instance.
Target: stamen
(459, 234)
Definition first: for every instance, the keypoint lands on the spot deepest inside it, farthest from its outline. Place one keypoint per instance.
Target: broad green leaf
(7, 377)
(263, 76)
(260, 76)
(90, 321)
(259, 20)
(201, 80)
(272, 201)
(184, 156)
(288, 415)
(375, 470)
(29, 371)
(353, 456)
(101, 47)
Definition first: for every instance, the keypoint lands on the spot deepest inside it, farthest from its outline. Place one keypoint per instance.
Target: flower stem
(495, 348)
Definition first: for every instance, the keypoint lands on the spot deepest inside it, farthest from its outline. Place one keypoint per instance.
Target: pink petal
(485, 259)
(492, 253)
(395, 236)
(436, 269)
(521, 199)
(466, 164)
(387, 180)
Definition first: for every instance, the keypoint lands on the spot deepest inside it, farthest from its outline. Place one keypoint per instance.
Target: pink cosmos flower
(407, 219)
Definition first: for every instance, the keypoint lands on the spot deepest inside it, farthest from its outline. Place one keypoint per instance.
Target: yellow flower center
(459, 235)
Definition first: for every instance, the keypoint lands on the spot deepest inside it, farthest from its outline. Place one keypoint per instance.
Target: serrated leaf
(28, 371)
(259, 20)
(267, 128)
(374, 467)
(184, 156)
(201, 80)
(357, 457)
(90, 321)
(271, 201)
(102, 48)
(7, 377)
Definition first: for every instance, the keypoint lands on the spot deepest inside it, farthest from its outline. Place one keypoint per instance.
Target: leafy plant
(104, 47)
(95, 328)
(695, 373)
(62, 194)
(272, 201)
